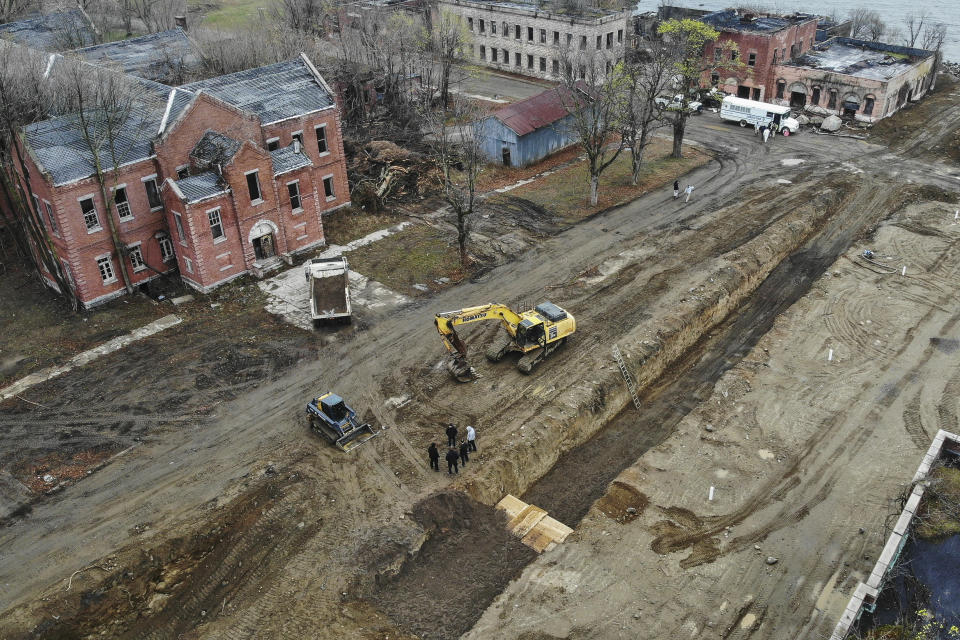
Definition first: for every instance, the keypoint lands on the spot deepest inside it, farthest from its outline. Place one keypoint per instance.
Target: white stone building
(520, 38)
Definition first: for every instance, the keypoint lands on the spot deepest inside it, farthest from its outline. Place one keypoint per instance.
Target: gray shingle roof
(155, 56)
(52, 32)
(215, 148)
(275, 92)
(286, 159)
(203, 185)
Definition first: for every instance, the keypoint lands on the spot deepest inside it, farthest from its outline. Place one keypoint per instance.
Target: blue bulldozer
(332, 418)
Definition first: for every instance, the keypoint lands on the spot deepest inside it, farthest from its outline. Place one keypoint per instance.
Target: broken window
(781, 86)
(180, 234)
(734, 54)
(610, 40)
(714, 79)
(493, 54)
(328, 188)
(583, 42)
(506, 57)
(293, 189)
(543, 65)
(529, 61)
(166, 248)
(136, 258)
(832, 99)
(505, 29)
(253, 186)
(619, 36)
(483, 26)
(483, 52)
(530, 34)
(120, 200)
(868, 106)
(718, 53)
(555, 66)
(52, 218)
(752, 60)
(153, 193)
(569, 39)
(322, 138)
(599, 42)
(543, 36)
(470, 24)
(105, 265)
(90, 217)
(516, 32)
(183, 172)
(216, 223)
(556, 38)
(517, 59)
(493, 28)
(815, 96)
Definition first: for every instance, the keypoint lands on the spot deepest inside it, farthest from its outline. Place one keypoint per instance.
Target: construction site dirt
(227, 518)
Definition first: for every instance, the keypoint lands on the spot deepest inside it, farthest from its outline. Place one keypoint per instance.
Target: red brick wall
(212, 262)
(205, 113)
(764, 46)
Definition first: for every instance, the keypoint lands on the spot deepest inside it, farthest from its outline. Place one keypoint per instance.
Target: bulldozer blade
(357, 437)
(460, 369)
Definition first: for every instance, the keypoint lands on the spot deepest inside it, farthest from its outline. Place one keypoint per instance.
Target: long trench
(582, 475)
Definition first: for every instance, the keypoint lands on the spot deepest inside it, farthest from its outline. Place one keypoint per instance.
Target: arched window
(868, 102)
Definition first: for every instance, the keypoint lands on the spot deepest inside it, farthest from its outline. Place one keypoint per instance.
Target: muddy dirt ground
(227, 518)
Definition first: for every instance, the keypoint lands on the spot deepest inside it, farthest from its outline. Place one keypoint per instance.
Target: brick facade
(212, 249)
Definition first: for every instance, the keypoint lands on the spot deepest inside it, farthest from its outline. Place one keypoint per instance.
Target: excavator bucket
(356, 437)
(460, 369)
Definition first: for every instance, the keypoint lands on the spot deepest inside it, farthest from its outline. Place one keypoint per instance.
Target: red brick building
(763, 42)
(218, 178)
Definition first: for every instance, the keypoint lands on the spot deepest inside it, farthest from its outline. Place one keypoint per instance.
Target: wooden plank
(556, 529)
(526, 520)
(512, 506)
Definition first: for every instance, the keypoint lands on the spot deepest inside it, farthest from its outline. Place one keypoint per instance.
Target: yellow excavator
(535, 334)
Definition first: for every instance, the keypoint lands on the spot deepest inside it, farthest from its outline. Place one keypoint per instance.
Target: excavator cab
(530, 333)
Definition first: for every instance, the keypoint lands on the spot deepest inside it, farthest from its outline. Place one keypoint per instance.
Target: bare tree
(456, 140)
(644, 79)
(308, 16)
(226, 52)
(11, 10)
(157, 15)
(866, 24)
(592, 94)
(447, 40)
(24, 98)
(108, 111)
(914, 26)
(933, 36)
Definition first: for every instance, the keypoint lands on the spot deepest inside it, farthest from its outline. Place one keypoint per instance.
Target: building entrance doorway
(798, 99)
(743, 91)
(263, 247)
(506, 156)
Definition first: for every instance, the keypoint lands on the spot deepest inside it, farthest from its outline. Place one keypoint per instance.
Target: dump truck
(330, 416)
(328, 280)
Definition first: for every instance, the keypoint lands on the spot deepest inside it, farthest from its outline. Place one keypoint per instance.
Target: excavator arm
(447, 322)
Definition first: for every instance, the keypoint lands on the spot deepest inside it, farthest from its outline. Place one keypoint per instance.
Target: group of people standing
(765, 130)
(456, 456)
(676, 190)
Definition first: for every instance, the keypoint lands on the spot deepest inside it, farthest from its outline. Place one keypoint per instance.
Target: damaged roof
(215, 148)
(273, 93)
(155, 56)
(539, 111)
(861, 58)
(732, 20)
(201, 186)
(286, 159)
(51, 32)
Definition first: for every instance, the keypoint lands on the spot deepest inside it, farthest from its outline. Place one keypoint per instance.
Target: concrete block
(903, 523)
(889, 550)
(876, 578)
(914, 501)
(182, 299)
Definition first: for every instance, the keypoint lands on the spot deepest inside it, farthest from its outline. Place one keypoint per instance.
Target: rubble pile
(382, 171)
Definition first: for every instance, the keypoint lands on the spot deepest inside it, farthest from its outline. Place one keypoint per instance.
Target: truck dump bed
(329, 284)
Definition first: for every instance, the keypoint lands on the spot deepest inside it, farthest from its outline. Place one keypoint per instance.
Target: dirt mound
(622, 502)
(467, 552)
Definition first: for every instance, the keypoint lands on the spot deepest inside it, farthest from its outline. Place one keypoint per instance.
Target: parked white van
(751, 112)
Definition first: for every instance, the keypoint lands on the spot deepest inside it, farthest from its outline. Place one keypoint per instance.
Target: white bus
(751, 112)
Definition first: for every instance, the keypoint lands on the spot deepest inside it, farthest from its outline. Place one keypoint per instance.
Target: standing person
(756, 128)
(452, 435)
(452, 459)
(434, 456)
(464, 453)
(471, 433)
(688, 191)
(766, 134)
(676, 194)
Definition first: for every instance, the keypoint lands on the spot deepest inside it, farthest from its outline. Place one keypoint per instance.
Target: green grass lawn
(231, 14)
(350, 223)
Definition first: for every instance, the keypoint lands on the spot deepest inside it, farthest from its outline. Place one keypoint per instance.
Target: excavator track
(499, 348)
(529, 361)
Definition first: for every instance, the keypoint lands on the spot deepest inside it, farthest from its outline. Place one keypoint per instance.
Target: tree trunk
(115, 236)
(462, 236)
(679, 126)
(445, 82)
(594, 189)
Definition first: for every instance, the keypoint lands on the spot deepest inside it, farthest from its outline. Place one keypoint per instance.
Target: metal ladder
(631, 385)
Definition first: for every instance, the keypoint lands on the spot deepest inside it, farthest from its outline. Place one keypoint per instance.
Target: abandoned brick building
(217, 178)
(782, 63)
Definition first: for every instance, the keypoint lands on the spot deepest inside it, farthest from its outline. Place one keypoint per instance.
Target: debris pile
(384, 171)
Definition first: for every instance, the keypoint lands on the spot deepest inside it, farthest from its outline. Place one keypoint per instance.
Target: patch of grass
(941, 512)
(233, 14)
(417, 255)
(495, 176)
(567, 192)
(348, 224)
(40, 330)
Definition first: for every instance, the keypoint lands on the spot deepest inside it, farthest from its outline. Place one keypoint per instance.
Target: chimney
(296, 146)
(180, 21)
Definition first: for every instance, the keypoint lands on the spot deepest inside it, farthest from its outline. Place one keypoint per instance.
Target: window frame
(122, 188)
(152, 179)
(331, 193)
(183, 171)
(96, 216)
(752, 59)
(188, 264)
(106, 260)
(215, 219)
(256, 177)
(274, 141)
(299, 196)
(166, 248)
(54, 227)
(178, 223)
(326, 143)
(136, 250)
